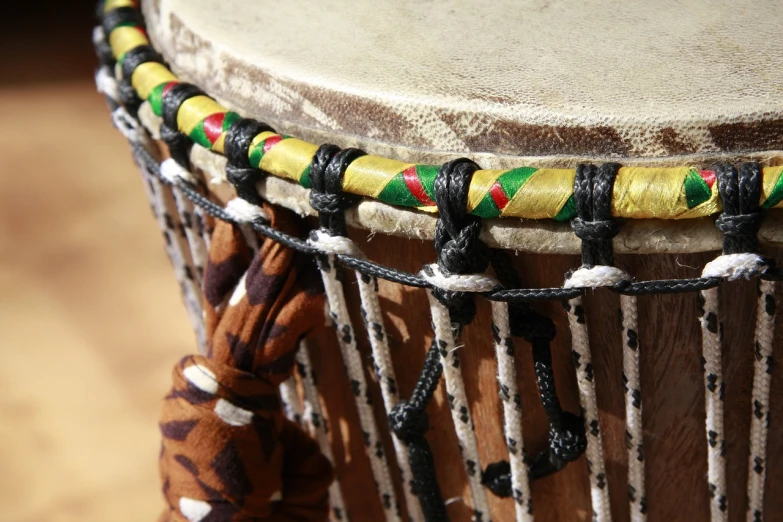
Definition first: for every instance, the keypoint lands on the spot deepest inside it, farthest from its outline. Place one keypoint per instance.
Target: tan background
(90, 318)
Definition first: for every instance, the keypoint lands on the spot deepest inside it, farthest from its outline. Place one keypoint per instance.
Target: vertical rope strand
(202, 225)
(373, 318)
(634, 433)
(195, 238)
(347, 340)
(315, 422)
(712, 335)
(512, 412)
(596, 467)
(191, 293)
(458, 404)
(291, 401)
(759, 420)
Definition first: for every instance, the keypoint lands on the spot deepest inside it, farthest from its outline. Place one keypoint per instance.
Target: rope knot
(593, 188)
(173, 172)
(569, 441)
(239, 171)
(242, 211)
(457, 243)
(594, 230)
(473, 283)
(740, 192)
(407, 422)
(736, 266)
(596, 276)
(739, 226)
(327, 170)
(334, 245)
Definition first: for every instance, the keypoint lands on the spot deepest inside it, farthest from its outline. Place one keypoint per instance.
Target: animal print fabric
(229, 454)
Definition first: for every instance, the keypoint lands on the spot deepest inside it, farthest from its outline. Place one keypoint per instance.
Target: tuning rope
(186, 210)
(161, 200)
(759, 420)
(326, 197)
(314, 419)
(512, 412)
(384, 369)
(458, 405)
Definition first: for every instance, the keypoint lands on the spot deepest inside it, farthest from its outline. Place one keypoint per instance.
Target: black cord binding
(238, 169)
(740, 191)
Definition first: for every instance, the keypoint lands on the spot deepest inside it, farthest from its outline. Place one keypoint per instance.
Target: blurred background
(90, 316)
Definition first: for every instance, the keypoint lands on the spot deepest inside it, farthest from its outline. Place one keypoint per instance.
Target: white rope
(316, 424)
(384, 369)
(711, 337)
(512, 412)
(128, 126)
(191, 292)
(759, 420)
(735, 266)
(245, 214)
(596, 466)
(458, 404)
(106, 84)
(242, 211)
(458, 282)
(98, 35)
(202, 226)
(594, 277)
(290, 399)
(334, 245)
(173, 172)
(633, 409)
(346, 338)
(199, 251)
(730, 267)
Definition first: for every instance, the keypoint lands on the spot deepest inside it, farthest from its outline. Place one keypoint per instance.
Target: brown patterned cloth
(228, 453)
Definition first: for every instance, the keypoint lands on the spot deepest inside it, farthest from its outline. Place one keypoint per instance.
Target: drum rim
(493, 193)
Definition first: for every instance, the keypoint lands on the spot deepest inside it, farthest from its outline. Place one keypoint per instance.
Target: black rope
(238, 169)
(327, 197)
(664, 286)
(567, 439)
(117, 17)
(457, 243)
(409, 422)
(593, 223)
(740, 191)
(179, 143)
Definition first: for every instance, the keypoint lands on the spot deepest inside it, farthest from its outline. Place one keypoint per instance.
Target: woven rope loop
(327, 197)
(740, 191)
(238, 169)
(457, 243)
(593, 223)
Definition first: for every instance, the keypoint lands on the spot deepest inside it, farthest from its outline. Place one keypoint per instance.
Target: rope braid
(740, 190)
(326, 171)
(595, 227)
(459, 251)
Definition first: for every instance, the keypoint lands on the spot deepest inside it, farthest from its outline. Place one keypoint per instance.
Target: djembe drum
(492, 230)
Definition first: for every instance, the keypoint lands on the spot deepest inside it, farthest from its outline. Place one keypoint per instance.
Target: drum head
(520, 78)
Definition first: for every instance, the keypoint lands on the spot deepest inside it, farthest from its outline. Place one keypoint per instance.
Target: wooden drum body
(670, 93)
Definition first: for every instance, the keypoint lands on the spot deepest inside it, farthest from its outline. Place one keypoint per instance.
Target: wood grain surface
(90, 316)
